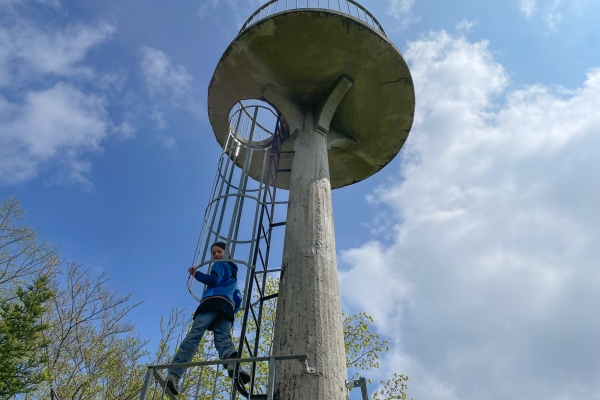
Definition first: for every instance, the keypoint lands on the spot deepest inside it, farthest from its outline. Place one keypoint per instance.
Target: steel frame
(248, 142)
(152, 371)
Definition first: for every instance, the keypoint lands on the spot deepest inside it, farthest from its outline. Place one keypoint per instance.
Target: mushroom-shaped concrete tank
(300, 58)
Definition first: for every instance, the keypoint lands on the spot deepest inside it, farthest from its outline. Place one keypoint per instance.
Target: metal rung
(268, 271)
(269, 297)
(284, 170)
(277, 224)
(287, 152)
(277, 202)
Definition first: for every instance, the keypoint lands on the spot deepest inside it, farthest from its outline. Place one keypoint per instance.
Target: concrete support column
(309, 319)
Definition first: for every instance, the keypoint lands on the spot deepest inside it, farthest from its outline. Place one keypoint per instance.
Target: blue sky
(475, 249)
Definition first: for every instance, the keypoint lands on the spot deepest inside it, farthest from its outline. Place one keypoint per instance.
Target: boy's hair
(219, 244)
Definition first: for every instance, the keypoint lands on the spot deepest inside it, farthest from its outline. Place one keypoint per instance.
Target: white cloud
(401, 10)
(47, 122)
(113, 80)
(51, 3)
(168, 142)
(169, 85)
(551, 11)
(162, 77)
(212, 4)
(464, 25)
(394, 296)
(553, 19)
(527, 7)
(27, 51)
(490, 286)
(125, 129)
(51, 127)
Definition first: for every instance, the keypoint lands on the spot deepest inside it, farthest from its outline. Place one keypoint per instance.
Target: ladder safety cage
(236, 202)
(242, 213)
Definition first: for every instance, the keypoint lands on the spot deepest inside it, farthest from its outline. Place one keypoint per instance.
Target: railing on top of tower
(347, 7)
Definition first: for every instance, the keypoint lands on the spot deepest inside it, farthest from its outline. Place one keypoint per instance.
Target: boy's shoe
(173, 384)
(244, 376)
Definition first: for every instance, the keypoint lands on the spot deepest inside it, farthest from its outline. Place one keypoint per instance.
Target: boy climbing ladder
(216, 312)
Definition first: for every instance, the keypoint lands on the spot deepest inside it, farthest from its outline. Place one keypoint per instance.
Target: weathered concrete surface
(300, 55)
(309, 317)
(342, 130)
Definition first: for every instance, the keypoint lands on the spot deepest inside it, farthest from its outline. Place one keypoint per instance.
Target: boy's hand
(192, 270)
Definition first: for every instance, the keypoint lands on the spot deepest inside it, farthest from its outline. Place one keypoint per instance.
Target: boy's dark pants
(189, 346)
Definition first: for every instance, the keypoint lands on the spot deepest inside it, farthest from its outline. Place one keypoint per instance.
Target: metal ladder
(257, 280)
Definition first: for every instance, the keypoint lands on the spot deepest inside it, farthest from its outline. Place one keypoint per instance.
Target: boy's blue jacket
(221, 283)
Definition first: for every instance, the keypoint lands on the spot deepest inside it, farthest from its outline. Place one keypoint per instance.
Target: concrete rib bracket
(333, 101)
(336, 138)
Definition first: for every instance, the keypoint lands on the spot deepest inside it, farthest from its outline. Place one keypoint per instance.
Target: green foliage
(207, 382)
(199, 383)
(265, 344)
(393, 389)
(26, 270)
(21, 341)
(84, 348)
(362, 346)
(93, 352)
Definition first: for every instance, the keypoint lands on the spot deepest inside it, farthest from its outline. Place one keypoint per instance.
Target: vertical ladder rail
(261, 236)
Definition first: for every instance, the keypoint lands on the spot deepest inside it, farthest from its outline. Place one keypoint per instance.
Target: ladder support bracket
(309, 370)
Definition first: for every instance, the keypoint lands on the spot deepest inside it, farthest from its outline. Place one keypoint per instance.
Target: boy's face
(217, 252)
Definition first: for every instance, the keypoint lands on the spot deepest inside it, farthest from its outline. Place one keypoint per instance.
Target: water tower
(346, 100)
(342, 102)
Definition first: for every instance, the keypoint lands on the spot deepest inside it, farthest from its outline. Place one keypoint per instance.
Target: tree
(26, 269)
(362, 352)
(21, 339)
(204, 383)
(393, 389)
(93, 352)
(73, 339)
(22, 257)
(362, 346)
